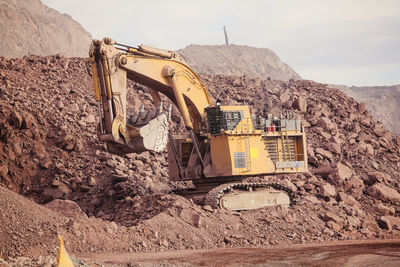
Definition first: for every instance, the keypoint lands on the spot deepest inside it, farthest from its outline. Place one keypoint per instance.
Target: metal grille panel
(240, 159)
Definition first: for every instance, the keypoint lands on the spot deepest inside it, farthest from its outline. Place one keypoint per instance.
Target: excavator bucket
(146, 131)
(153, 135)
(63, 259)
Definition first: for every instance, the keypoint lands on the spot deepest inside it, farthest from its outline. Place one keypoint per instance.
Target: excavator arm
(162, 72)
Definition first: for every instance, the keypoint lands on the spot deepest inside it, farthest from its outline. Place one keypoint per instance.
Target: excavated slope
(383, 102)
(49, 152)
(238, 60)
(29, 27)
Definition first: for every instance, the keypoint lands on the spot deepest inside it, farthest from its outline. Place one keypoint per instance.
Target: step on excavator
(221, 146)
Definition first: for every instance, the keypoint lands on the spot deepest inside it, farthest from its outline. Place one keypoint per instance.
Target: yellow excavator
(222, 145)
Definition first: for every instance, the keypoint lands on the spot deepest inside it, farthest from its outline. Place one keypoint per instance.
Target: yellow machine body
(244, 149)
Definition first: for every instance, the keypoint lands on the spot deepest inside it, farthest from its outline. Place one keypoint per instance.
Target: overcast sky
(353, 42)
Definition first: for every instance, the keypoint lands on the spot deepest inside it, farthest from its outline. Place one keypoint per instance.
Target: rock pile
(382, 101)
(49, 152)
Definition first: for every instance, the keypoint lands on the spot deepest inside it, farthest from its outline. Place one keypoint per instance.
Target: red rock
(190, 217)
(78, 146)
(330, 216)
(286, 182)
(334, 226)
(335, 148)
(311, 199)
(334, 178)
(388, 136)
(45, 163)
(354, 182)
(343, 172)
(16, 119)
(379, 177)
(385, 210)
(67, 208)
(138, 163)
(326, 124)
(361, 107)
(327, 190)
(335, 139)
(326, 135)
(284, 97)
(365, 148)
(91, 119)
(3, 168)
(379, 130)
(59, 192)
(208, 208)
(196, 220)
(383, 192)
(366, 121)
(395, 221)
(324, 153)
(363, 137)
(91, 181)
(370, 149)
(66, 142)
(324, 170)
(385, 223)
(353, 222)
(347, 199)
(28, 121)
(300, 104)
(309, 187)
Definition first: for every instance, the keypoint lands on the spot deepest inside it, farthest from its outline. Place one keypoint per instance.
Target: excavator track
(245, 196)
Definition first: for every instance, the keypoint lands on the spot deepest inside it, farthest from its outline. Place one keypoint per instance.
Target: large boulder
(324, 170)
(327, 190)
(389, 222)
(326, 124)
(67, 208)
(347, 199)
(300, 104)
(60, 191)
(343, 172)
(384, 193)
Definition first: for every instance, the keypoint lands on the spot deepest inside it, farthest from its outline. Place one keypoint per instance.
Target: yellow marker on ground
(63, 259)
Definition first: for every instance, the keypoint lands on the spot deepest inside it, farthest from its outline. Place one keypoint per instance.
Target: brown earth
(238, 60)
(29, 27)
(49, 150)
(366, 253)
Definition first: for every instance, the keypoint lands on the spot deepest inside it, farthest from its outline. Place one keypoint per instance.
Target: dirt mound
(238, 60)
(49, 150)
(29, 27)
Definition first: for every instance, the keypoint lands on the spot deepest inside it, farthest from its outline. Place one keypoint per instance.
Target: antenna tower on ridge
(226, 37)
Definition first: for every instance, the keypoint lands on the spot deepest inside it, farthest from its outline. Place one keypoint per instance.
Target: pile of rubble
(49, 153)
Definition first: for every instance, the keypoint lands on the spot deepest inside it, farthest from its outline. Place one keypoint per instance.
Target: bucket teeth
(143, 117)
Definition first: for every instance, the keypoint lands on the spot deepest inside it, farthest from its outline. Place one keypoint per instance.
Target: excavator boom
(161, 71)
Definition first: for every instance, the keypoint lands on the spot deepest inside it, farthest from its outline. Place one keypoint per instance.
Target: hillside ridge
(29, 27)
(238, 60)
